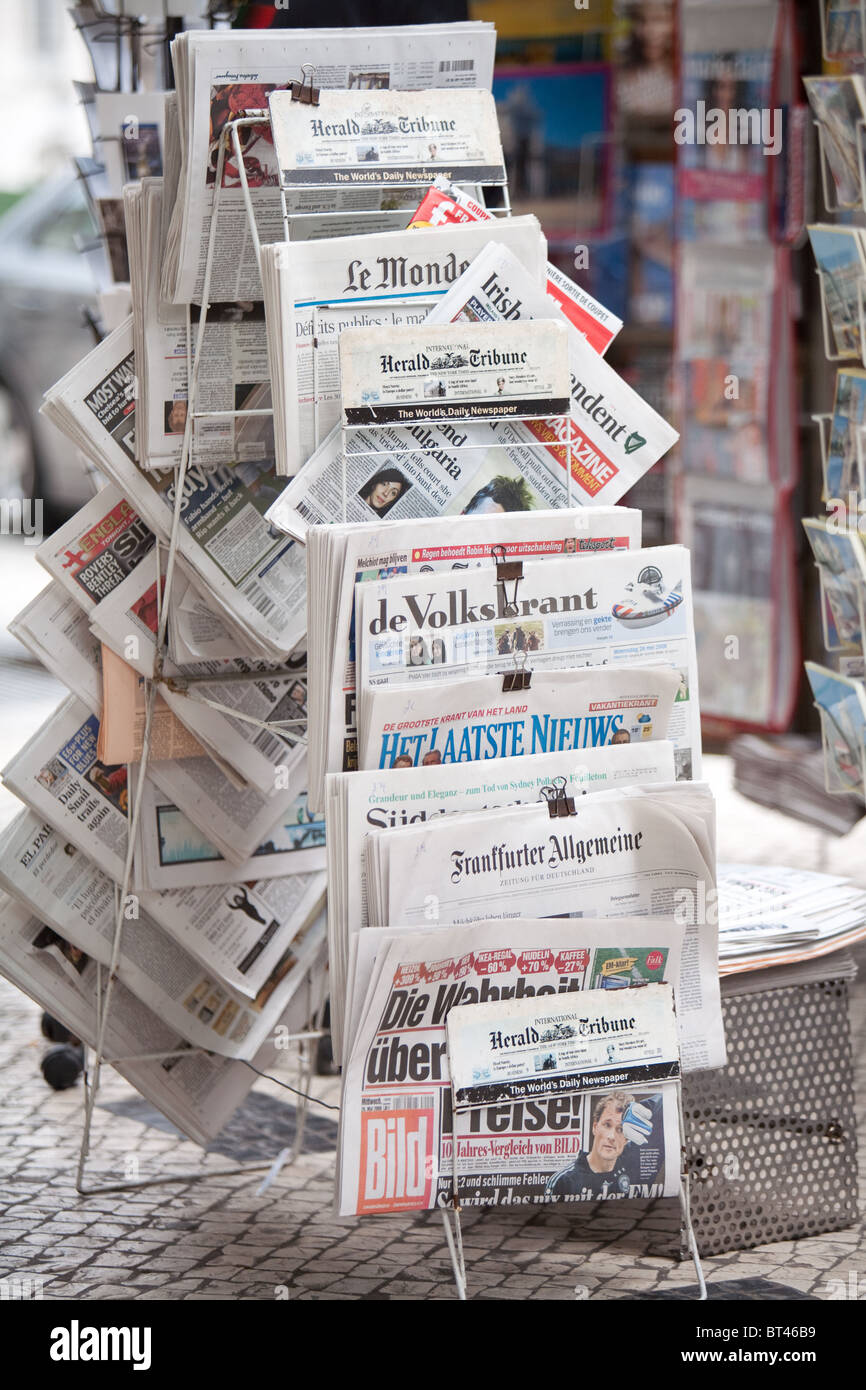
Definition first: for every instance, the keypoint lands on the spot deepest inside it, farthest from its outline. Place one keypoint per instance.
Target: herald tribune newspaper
(397, 1135)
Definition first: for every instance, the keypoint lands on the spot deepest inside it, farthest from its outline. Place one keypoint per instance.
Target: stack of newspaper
(244, 653)
(769, 917)
(399, 1126)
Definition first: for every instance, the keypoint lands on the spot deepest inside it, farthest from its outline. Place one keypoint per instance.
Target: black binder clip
(519, 678)
(304, 90)
(507, 572)
(558, 804)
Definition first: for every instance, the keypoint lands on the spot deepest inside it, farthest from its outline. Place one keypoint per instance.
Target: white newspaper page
(394, 138)
(97, 548)
(397, 1132)
(68, 892)
(366, 553)
(254, 574)
(223, 74)
(465, 371)
(364, 803)
(636, 852)
(316, 289)
(198, 1091)
(473, 720)
(615, 437)
(618, 610)
(173, 853)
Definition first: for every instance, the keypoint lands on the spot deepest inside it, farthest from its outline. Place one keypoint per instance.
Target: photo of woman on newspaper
(382, 490)
(621, 1126)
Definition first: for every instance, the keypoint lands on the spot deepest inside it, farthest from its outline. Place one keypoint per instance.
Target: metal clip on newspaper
(304, 91)
(518, 678)
(559, 804)
(507, 572)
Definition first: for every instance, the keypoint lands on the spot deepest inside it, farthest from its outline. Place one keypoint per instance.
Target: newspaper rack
(831, 737)
(451, 1217)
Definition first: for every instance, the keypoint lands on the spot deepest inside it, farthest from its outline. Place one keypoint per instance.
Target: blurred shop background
(700, 248)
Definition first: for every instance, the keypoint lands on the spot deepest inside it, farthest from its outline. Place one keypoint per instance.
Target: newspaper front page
(622, 609)
(636, 851)
(222, 74)
(70, 894)
(345, 557)
(364, 803)
(314, 290)
(474, 720)
(397, 1133)
(198, 1091)
(256, 576)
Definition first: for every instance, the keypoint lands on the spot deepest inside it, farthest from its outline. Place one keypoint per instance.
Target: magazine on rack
(253, 575)
(220, 75)
(195, 994)
(472, 719)
(364, 803)
(841, 562)
(625, 609)
(339, 558)
(633, 849)
(313, 290)
(444, 204)
(198, 1092)
(233, 367)
(397, 1133)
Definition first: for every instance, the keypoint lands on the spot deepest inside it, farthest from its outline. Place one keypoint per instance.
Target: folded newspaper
(313, 290)
(221, 75)
(398, 1131)
(205, 995)
(340, 558)
(361, 804)
(616, 609)
(647, 851)
(457, 721)
(196, 1090)
(253, 575)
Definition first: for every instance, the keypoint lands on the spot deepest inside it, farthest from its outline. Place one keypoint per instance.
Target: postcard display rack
(839, 109)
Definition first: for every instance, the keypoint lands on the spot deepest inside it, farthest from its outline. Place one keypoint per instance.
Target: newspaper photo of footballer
(624, 1150)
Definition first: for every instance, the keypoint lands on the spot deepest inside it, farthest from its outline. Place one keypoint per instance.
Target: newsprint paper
(644, 851)
(626, 609)
(365, 803)
(198, 1091)
(397, 1132)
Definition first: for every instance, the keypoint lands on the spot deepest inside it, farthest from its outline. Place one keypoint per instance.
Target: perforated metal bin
(771, 1139)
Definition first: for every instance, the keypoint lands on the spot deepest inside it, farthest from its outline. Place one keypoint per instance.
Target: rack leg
(685, 1205)
(454, 1239)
